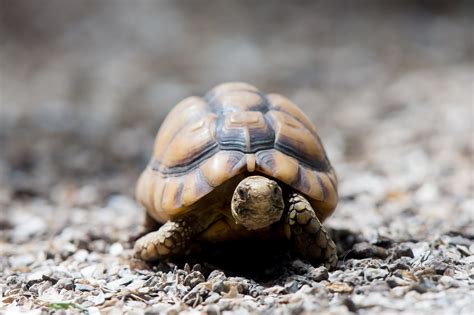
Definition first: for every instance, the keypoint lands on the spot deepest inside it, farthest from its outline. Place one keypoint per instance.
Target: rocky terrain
(82, 94)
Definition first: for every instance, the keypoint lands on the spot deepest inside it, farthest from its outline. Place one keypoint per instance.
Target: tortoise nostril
(241, 193)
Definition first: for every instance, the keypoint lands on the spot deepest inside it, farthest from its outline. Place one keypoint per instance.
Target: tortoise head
(257, 202)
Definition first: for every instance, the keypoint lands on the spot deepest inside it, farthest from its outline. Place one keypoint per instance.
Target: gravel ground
(388, 86)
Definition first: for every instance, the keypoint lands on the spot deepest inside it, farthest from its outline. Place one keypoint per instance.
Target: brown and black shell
(234, 129)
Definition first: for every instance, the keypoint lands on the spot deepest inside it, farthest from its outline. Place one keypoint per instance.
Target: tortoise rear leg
(171, 239)
(310, 239)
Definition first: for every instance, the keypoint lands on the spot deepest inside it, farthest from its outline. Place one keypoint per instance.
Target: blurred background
(84, 86)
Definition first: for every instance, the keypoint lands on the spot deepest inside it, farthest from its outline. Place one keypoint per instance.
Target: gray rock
(193, 279)
(212, 310)
(371, 274)
(318, 274)
(212, 298)
(292, 286)
(218, 286)
(65, 283)
(401, 251)
(393, 282)
(366, 250)
(83, 287)
(119, 283)
(216, 275)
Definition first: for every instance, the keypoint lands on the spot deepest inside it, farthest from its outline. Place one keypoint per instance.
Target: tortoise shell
(233, 130)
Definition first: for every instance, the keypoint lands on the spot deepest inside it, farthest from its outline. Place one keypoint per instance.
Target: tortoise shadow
(264, 261)
(259, 260)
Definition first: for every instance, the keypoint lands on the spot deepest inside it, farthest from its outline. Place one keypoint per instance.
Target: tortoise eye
(241, 193)
(275, 190)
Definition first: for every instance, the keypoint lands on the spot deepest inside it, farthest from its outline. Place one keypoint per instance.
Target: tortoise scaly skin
(237, 164)
(310, 239)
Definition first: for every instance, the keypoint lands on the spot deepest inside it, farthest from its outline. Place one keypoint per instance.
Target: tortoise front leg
(310, 239)
(171, 239)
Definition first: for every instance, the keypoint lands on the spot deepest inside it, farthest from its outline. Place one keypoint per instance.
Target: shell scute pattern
(206, 141)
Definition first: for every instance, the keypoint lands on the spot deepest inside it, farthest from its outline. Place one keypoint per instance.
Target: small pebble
(116, 249)
(83, 287)
(339, 287)
(371, 274)
(318, 274)
(218, 286)
(366, 250)
(193, 279)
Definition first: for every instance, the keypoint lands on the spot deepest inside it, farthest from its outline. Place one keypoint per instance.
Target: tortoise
(237, 164)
